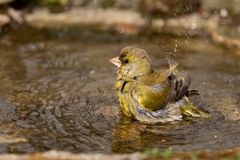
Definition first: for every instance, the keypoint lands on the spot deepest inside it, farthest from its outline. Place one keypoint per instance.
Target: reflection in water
(57, 94)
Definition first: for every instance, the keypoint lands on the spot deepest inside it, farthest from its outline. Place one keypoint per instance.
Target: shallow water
(56, 93)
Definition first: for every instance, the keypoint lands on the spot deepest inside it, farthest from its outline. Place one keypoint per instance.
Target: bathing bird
(152, 96)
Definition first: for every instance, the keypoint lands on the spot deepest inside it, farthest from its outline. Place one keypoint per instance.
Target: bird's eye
(125, 61)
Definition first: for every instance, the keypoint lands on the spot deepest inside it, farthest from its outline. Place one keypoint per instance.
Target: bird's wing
(150, 97)
(179, 83)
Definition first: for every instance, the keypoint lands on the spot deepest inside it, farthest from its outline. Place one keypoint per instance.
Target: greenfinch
(152, 96)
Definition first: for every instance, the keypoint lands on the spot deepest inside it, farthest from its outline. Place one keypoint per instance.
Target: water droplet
(175, 50)
(223, 12)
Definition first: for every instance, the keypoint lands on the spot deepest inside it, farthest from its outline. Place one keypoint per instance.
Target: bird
(151, 96)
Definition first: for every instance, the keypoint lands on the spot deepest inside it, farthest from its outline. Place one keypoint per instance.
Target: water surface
(56, 93)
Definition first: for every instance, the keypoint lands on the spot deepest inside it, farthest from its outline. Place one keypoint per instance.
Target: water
(56, 93)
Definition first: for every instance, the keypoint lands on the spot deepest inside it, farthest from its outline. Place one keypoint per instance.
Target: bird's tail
(189, 109)
(192, 92)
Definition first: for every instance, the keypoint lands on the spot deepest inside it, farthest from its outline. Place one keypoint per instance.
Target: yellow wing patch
(148, 97)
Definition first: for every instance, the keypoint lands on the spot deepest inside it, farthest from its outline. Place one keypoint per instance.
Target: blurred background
(129, 18)
(56, 80)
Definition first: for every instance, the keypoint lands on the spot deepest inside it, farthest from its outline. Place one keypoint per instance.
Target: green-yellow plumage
(151, 96)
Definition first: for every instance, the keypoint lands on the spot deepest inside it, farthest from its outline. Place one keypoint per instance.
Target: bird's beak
(116, 61)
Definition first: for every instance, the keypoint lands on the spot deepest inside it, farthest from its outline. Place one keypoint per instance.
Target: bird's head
(132, 63)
